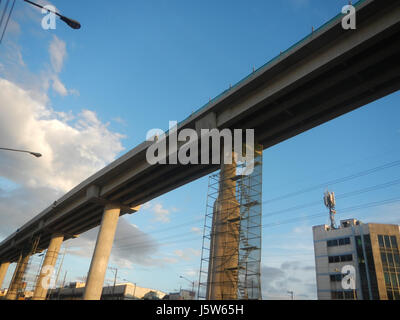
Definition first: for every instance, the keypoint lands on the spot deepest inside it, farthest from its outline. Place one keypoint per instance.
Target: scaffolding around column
(18, 283)
(231, 250)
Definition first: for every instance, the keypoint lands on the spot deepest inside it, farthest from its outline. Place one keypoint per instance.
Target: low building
(181, 295)
(123, 291)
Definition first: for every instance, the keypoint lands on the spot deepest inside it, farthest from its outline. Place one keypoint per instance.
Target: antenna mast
(330, 203)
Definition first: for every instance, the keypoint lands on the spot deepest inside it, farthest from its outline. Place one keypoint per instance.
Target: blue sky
(136, 65)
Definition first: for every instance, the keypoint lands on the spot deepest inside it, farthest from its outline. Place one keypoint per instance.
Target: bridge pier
(48, 266)
(3, 271)
(102, 251)
(16, 282)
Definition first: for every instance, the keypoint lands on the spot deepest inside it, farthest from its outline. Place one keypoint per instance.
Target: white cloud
(58, 53)
(196, 230)
(59, 87)
(161, 213)
(187, 254)
(131, 245)
(71, 151)
(290, 276)
(74, 146)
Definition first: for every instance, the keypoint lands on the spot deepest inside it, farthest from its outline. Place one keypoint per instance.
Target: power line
(340, 196)
(4, 12)
(8, 19)
(358, 207)
(364, 206)
(336, 181)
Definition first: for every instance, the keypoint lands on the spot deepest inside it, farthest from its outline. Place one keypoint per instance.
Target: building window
(338, 242)
(397, 260)
(332, 243)
(387, 241)
(391, 267)
(393, 240)
(387, 279)
(337, 295)
(344, 295)
(380, 240)
(343, 258)
(350, 295)
(336, 277)
(347, 257)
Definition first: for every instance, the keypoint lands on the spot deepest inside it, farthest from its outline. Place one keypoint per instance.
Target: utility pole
(115, 270)
(62, 286)
(291, 294)
(192, 282)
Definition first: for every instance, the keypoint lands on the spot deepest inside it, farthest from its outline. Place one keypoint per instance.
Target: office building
(371, 249)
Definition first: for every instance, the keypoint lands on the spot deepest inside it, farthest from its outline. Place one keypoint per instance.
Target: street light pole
(71, 22)
(292, 294)
(115, 270)
(192, 282)
(36, 154)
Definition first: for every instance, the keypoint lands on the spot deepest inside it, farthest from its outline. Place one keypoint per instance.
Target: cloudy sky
(83, 98)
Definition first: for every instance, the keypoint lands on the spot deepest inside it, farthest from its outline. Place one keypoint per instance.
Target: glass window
(380, 240)
(390, 294)
(393, 240)
(387, 279)
(347, 257)
(383, 257)
(349, 295)
(396, 295)
(330, 259)
(347, 241)
(336, 259)
(339, 295)
(390, 259)
(332, 243)
(387, 241)
(396, 259)
(394, 280)
(341, 242)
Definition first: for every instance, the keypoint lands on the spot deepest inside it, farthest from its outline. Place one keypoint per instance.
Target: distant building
(181, 295)
(124, 291)
(372, 249)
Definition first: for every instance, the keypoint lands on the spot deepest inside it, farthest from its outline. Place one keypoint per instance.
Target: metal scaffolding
(18, 282)
(231, 250)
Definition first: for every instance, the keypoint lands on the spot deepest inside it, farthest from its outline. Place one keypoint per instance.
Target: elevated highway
(329, 73)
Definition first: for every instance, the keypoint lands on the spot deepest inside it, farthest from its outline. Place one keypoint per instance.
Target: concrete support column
(48, 267)
(16, 283)
(3, 271)
(224, 245)
(98, 266)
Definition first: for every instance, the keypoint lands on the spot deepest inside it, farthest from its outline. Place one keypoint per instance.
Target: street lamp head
(37, 155)
(71, 22)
